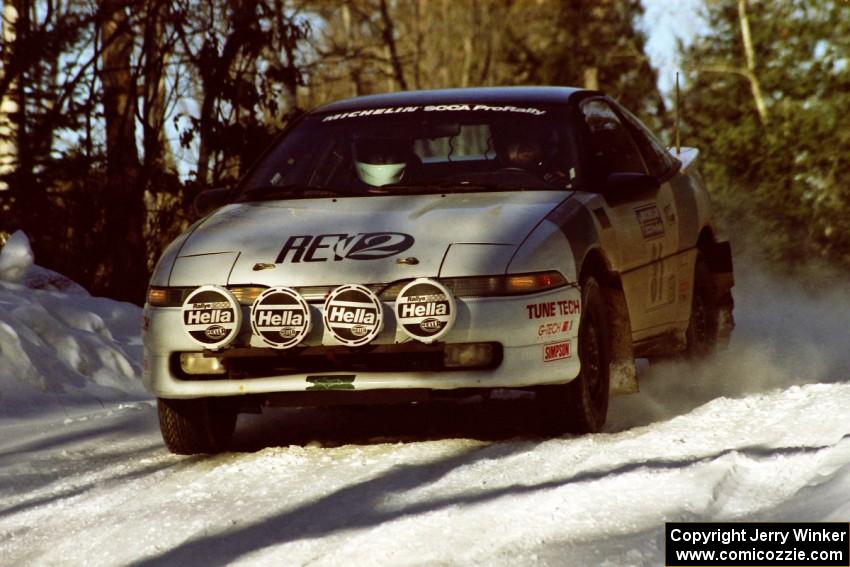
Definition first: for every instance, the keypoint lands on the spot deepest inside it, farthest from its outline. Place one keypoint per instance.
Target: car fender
(162, 271)
(545, 248)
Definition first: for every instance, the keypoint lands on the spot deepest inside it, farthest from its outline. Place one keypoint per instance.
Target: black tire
(701, 336)
(203, 425)
(581, 406)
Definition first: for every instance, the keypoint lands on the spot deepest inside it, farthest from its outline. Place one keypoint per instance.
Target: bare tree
(8, 102)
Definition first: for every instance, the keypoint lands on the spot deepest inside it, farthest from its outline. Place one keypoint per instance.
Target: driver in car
(383, 161)
(525, 151)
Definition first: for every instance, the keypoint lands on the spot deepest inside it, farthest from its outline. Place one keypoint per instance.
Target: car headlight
(467, 286)
(176, 296)
(168, 296)
(246, 294)
(512, 284)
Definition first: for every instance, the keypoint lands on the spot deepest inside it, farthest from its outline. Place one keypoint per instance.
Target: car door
(643, 238)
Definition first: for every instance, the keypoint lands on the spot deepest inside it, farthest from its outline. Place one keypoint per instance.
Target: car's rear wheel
(701, 336)
(202, 425)
(581, 406)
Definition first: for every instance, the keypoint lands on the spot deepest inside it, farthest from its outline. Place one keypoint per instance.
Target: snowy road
(100, 489)
(759, 433)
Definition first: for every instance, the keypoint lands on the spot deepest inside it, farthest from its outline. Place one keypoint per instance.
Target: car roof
(479, 95)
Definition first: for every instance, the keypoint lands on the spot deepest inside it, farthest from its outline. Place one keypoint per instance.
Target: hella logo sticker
(353, 315)
(425, 310)
(215, 332)
(280, 317)
(211, 317)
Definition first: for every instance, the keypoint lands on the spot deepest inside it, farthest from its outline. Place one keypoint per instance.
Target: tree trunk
(123, 273)
(9, 103)
(591, 78)
(157, 157)
(749, 51)
(392, 48)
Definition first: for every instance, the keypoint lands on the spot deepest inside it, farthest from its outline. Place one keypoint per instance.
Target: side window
(659, 160)
(612, 147)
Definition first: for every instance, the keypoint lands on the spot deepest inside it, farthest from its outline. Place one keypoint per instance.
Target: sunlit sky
(665, 21)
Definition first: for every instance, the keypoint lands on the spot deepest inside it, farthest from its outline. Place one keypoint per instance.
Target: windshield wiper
(289, 190)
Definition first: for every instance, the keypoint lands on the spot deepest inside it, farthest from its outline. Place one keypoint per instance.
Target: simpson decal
(649, 219)
(280, 317)
(557, 351)
(341, 246)
(425, 309)
(211, 316)
(353, 315)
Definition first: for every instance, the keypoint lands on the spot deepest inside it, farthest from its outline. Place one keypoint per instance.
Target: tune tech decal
(281, 317)
(212, 316)
(354, 315)
(425, 309)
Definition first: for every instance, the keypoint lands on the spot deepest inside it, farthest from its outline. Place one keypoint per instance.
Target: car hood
(363, 240)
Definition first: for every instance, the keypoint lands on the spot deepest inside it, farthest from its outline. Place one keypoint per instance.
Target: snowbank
(58, 344)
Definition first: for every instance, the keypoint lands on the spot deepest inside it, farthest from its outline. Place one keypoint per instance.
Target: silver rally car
(406, 246)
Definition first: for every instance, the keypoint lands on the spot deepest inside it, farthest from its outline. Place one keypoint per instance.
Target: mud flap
(622, 370)
(719, 258)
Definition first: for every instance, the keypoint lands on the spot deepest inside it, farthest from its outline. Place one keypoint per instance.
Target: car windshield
(418, 149)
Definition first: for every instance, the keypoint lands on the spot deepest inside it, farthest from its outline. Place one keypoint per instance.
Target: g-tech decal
(211, 316)
(557, 351)
(425, 309)
(552, 329)
(649, 219)
(341, 246)
(353, 315)
(553, 308)
(280, 317)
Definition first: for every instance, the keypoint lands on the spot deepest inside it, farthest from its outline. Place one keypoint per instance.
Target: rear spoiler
(688, 156)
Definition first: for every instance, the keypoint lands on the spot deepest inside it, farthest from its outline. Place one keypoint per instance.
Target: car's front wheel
(202, 425)
(581, 406)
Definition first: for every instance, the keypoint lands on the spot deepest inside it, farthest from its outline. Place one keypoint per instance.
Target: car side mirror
(210, 200)
(625, 186)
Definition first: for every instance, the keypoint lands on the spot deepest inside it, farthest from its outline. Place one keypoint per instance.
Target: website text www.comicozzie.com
(688, 556)
(810, 544)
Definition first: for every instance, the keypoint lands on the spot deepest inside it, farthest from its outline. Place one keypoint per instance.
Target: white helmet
(380, 161)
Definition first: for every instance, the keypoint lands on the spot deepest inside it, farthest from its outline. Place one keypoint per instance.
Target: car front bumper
(537, 338)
